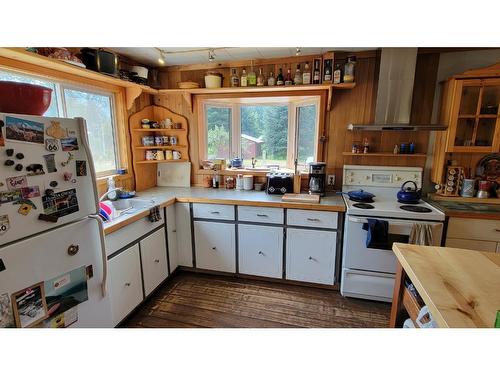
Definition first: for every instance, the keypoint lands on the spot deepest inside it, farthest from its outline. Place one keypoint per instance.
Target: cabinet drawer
(260, 250)
(213, 211)
(215, 246)
(471, 244)
(474, 229)
(365, 284)
(317, 219)
(310, 255)
(125, 283)
(154, 260)
(260, 214)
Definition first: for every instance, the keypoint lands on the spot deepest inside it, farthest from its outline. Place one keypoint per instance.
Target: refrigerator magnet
(2, 140)
(22, 130)
(55, 130)
(70, 158)
(4, 224)
(67, 176)
(50, 162)
(52, 145)
(30, 192)
(48, 218)
(69, 144)
(29, 306)
(81, 168)
(6, 313)
(10, 196)
(16, 182)
(61, 203)
(24, 209)
(35, 169)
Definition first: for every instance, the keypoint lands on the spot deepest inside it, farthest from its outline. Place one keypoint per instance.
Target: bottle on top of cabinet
(260, 78)
(297, 80)
(280, 81)
(316, 73)
(337, 74)
(244, 78)
(328, 71)
(235, 81)
(349, 69)
(306, 75)
(252, 77)
(271, 81)
(288, 79)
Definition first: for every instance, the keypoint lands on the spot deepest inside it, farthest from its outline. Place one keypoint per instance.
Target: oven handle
(361, 220)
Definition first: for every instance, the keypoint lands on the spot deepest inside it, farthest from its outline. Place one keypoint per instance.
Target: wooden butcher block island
(460, 287)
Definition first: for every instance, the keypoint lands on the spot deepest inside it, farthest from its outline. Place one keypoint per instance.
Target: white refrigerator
(52, 256)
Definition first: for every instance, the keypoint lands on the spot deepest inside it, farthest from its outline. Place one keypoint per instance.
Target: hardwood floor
(198, 300)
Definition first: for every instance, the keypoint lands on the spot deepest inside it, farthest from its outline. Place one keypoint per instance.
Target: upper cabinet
(470, 107)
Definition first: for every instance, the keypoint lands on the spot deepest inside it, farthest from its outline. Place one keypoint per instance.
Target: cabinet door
(260, 250)
(125, 283)
(310, 255)
(461, 243)
(172, 238)
(183, 226)
(154, 260)
(215, 246)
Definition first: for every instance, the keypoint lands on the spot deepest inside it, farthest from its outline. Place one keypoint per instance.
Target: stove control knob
(397, 178)
(351, 179)
(367, 177)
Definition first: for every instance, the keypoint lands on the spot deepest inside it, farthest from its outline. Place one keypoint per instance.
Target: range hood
(395, 93)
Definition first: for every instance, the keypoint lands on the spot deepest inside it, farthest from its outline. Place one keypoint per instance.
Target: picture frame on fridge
(29, 306)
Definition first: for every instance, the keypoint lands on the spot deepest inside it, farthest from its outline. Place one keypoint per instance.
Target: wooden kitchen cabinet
(172, 237)
(260, 250)
(310, 255)
(473, 234)
(125, 283)
(183, 234)
(470, 108)
(215, 246)
(154, 260)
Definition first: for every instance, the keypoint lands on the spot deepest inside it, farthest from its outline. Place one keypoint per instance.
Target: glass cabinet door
(469, 100)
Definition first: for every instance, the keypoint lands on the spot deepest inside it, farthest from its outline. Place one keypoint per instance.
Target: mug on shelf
(158, 140)
(148, 140)
(150, 155)
(169, 155)
(176, 155)
(173, 140)
(160, 155)
(166, 140)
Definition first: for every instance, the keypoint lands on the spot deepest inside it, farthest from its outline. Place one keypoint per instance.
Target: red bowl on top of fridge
(24, 98)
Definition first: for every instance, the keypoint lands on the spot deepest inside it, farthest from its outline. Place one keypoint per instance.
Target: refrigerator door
(50, 258)
(54, 176)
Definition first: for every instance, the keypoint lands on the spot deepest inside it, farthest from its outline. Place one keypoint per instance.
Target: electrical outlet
(331, 179)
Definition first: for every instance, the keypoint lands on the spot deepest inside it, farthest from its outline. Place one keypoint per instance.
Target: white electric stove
(368, 272)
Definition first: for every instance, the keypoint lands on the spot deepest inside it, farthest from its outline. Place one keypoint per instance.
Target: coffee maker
(317, 178)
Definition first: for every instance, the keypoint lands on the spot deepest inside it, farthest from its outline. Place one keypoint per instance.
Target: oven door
(358, 256)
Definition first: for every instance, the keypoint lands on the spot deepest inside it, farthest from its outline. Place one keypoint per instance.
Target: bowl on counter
(24, 98)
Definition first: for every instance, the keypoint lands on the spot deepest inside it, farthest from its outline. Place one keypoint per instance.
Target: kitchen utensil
(239, 182)
(304, 198)
(484, 189)
(279, 183)
(237, 162)
(176, 155)
(468, 187)
(359, 196)
(141, 74)
(317, 178)
(258, 186)
(213, 80)
(488, 167)
(160, 155)
(169, 155)
(229, 182)
(453, 182)
(188, 85)
(409, 194)
(247, 182)
(24, 98)
(100, 61)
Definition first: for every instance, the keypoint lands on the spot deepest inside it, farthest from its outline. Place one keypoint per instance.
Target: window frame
(235, 103)
(60, 86)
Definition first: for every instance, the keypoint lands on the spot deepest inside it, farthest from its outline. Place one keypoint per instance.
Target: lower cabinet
(260, 250)
(473, 234)
(183, 232)
(310, 255)
(154, 260)
(172, 237)
(125, 282)
(215, 246)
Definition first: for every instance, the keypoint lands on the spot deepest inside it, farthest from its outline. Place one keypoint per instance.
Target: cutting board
(174, 174)
(304, 198)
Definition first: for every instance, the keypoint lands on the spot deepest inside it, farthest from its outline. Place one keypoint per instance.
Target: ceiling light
(161, 59)
(298, 51)
(211, 55)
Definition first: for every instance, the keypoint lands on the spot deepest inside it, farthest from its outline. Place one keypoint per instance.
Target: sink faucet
(105, 195)
(254, 161)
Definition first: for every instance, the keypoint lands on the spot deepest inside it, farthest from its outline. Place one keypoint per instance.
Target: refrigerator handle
(90, 161)
(103, 253)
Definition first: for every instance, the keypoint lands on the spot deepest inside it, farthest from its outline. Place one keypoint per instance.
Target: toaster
(279, 183)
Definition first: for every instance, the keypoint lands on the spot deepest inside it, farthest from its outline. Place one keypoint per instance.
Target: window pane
(52, 111)
(97, 111)
(264, 134)
(218, 132)
(306, 142)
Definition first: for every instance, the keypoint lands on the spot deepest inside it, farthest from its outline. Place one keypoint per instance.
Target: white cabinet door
(154, 260)
(260, 250)
(125, 283)
(310, 255)
(172, 238)
(183, 226)
(215, 246)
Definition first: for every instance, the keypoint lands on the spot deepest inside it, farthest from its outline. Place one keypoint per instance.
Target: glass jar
(349, 69)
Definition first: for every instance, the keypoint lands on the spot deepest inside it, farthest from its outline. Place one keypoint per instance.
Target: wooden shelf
(133, 90)
(161, 161)
(158, 130)
(159, 147)
(385, 154)
(448, 198)
(411, 305)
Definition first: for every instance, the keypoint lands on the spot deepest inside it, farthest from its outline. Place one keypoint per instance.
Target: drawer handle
(262, 215)
(127, 284)
(261, 253)
(157, 261)
(174, 230)
(497, 230)
(311, 258)
(215, 212)
(214, 248)
(312, 219)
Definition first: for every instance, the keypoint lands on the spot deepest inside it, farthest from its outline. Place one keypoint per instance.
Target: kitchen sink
(132, 205)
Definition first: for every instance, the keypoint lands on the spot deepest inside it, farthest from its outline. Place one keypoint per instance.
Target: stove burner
(363, 205)
(415, 202)
(365, 200)
(415, 208)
